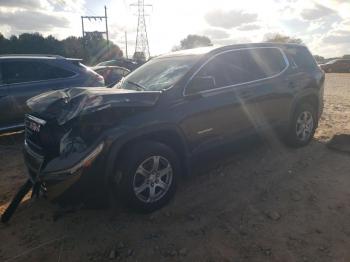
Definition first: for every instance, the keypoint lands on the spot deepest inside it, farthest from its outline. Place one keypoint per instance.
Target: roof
(214, 49)
(106, 67)
(30, 56)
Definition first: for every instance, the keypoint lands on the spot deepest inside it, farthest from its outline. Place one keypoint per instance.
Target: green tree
(319, 59)
(193, 41)
(279, 38)
(92, 49)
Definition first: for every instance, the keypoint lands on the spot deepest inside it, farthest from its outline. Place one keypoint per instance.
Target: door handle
(291, 85)
(289, 82)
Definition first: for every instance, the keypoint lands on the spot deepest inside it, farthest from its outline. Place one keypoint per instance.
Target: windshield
(158, 74)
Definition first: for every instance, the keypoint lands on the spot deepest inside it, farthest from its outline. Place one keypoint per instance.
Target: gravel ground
(268, 203)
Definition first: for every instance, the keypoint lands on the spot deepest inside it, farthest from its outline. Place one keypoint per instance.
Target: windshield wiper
(142, 88)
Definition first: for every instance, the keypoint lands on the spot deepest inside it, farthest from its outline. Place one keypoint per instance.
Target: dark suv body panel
(191, 123)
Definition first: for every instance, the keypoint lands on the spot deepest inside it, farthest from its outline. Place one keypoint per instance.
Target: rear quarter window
(301, 58)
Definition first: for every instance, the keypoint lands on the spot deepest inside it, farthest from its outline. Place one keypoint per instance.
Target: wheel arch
(310, 98)
(169, 136)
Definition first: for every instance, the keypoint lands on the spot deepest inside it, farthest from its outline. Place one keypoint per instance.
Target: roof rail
(43, 55)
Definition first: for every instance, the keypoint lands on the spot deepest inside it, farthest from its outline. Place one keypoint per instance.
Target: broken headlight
(70, 144)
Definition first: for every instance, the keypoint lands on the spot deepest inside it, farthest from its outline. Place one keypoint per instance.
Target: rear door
(28, 78)
(269, 85)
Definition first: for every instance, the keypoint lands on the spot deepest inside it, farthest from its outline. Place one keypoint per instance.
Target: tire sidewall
(133, 158)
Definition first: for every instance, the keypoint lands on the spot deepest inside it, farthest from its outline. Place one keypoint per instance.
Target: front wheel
(302, 126)
(148, 173)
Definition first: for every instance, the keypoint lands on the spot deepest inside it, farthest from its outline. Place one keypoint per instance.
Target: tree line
(92, 48)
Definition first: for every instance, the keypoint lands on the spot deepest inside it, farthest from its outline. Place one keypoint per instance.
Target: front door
(217, 115)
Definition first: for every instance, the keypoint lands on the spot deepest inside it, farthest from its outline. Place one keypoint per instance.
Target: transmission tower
(142, 46)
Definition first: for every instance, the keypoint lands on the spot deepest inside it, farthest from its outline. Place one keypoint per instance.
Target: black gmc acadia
(137, 138)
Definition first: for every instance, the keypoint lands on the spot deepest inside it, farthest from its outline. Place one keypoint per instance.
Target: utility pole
(106, 28)
(142, 45)
(95, 18)
(126, 44)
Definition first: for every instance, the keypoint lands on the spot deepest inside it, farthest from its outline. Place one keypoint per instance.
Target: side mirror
(199, 84)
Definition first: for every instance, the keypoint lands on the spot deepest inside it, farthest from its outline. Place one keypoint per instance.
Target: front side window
(28, 71)
(243, 66)
(159, 73)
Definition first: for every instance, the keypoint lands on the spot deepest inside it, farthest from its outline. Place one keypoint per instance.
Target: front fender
(119, 137)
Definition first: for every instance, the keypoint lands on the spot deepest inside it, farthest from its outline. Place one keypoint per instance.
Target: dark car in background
(122, 62)
(337, 66)
(111, 74)
(135, 140)
(25, 76)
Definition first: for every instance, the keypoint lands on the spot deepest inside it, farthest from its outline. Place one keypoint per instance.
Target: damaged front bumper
(61, 173)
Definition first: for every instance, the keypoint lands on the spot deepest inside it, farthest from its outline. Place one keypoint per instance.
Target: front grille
(32, 160)
(32, 137)
(43, 137)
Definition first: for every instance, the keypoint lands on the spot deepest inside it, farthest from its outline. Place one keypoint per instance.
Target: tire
(136, 172)
(301, 129)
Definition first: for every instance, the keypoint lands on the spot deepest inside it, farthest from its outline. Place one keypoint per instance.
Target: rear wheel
(147, 176)
(303, 125)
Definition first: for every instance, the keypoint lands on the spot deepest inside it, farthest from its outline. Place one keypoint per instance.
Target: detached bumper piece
(10, 210)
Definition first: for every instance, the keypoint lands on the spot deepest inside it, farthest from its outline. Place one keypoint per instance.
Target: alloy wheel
(152, 179)
(304, 126)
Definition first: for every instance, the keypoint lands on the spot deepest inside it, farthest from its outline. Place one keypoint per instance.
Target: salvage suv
(135, 140)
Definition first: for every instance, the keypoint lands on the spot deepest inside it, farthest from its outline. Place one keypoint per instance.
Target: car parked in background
(25, 76)
(122, 62)
(111, 74)
(337, 66)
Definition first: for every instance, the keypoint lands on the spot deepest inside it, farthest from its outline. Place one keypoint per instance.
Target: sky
(323, 25)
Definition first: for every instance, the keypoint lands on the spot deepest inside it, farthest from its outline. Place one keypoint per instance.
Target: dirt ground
(269, 203)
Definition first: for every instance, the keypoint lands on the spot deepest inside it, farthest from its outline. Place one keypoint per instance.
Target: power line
(96, 18)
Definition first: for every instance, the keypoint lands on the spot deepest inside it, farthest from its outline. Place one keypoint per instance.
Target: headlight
(70, 144)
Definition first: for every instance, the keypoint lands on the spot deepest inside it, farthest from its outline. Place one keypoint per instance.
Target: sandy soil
(269, 203)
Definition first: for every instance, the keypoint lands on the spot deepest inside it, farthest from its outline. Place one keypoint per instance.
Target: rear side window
(263, 62)
(242, 66)
(28, 71)
(301, 57)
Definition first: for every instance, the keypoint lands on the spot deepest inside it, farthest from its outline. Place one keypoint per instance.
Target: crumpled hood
(66, 104)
